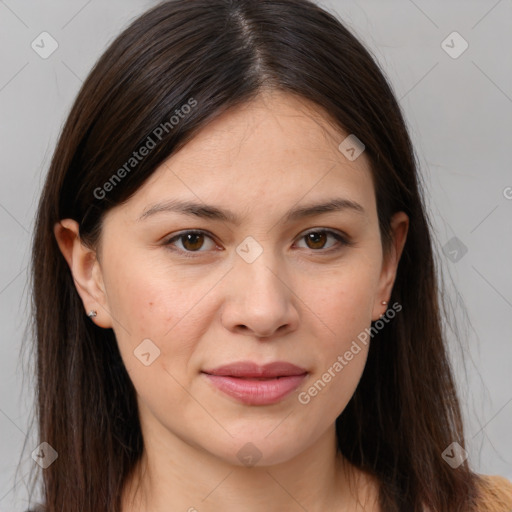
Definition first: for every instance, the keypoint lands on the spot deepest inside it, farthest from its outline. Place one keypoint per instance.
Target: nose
(259, 302)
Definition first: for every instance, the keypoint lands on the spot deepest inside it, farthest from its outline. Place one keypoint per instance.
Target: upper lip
(250, 369)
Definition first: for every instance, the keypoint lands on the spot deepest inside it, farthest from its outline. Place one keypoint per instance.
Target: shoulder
(494, 494)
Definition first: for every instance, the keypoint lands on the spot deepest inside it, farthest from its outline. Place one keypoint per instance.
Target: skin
(296, 302)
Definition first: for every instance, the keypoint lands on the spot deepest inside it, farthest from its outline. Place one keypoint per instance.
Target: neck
(174, 475)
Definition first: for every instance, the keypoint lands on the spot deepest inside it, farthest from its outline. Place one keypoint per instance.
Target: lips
(250, 370)
(252, 384)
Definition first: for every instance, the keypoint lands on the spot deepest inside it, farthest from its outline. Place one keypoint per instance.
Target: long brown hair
(404, 412)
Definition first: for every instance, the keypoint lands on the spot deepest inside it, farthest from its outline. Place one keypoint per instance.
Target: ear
(85, 269)
(399, 226)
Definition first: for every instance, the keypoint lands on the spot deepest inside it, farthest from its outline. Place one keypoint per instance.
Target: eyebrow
(212, 212)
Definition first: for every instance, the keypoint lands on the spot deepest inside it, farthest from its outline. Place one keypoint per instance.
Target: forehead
(275, 149)
(275, 125)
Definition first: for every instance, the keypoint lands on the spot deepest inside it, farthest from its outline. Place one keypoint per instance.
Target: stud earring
(384, 303)
(92, 313)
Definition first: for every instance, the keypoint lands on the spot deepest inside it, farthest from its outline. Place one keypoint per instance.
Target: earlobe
(85, 270)
(399, 227)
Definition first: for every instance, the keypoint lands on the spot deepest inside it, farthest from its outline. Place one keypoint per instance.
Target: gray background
(459, 111)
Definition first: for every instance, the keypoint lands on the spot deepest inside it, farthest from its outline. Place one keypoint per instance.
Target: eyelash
(342, 240)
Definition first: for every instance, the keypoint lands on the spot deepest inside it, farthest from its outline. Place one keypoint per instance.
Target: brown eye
(316, 240)
(191, 241)
(194, 242)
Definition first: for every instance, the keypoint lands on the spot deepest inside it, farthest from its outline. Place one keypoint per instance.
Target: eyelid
(342, 238)
(339, 235)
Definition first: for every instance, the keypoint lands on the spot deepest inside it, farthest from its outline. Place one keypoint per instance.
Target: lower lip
(257, 392)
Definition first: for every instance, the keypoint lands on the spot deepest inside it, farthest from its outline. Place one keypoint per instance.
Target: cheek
(150, 301)
(341, 343)
(153, 333)
(343, 298)
(343, 302)
(147, 298)
(143, 306)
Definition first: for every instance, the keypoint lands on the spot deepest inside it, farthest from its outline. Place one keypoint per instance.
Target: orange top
(495, 494)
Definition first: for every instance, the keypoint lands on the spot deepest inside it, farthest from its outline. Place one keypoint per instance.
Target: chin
(259, 452)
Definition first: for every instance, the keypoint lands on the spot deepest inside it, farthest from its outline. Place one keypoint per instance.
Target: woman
(235, 296)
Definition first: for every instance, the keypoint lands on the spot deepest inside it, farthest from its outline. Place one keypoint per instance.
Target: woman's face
(263, 283)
